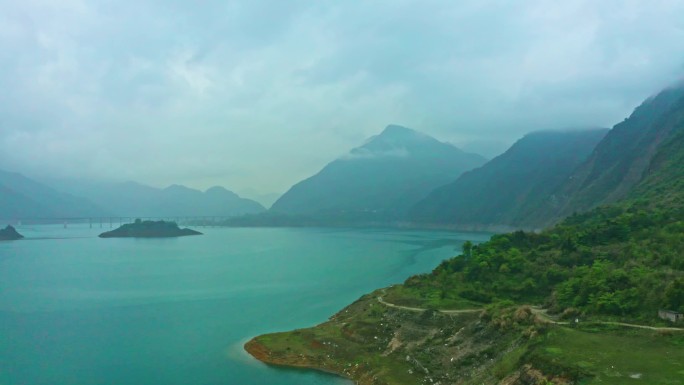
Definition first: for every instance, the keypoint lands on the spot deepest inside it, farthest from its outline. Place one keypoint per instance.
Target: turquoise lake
(79, 310)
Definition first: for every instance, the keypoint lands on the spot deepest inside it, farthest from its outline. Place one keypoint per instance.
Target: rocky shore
(263, 354)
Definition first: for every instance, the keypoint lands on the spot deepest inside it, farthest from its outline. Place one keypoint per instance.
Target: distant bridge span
(103, 221)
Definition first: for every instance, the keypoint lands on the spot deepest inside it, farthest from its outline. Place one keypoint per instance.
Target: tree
(467, 249)
(674, 295)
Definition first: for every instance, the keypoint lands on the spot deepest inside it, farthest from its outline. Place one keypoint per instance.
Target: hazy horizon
(260, 96)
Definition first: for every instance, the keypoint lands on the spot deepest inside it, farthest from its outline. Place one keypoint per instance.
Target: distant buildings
(670, 315)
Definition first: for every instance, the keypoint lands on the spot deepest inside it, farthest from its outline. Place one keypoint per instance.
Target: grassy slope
(615, 356)
(374, 344)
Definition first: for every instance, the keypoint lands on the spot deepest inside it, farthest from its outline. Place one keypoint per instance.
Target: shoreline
(259, 352)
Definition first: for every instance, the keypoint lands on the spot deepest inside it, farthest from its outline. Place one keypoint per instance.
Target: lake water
(76, 309)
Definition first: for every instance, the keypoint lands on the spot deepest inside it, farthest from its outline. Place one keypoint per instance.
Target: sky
(256, 95)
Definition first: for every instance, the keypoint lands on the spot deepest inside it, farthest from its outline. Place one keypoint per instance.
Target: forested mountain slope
(508, 188)
(620, 161)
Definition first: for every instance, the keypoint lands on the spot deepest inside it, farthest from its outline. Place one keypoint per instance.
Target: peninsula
(149, 229)
(9, 233)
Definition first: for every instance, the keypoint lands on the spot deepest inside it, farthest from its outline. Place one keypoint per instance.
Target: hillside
(619, 162)
(504, 191)
(378, 181)
(598, 280)
(663, 179)
(136, 200)
(22, 198)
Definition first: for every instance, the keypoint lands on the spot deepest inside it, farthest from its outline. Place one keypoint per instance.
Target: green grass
(510, 362)
(617, 357)
(355, 343)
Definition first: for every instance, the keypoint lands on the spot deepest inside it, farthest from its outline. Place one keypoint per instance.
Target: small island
(9, 233)
(149, 229)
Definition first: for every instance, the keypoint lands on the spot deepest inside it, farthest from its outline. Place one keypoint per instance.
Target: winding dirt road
(541, 313)
(417, 309)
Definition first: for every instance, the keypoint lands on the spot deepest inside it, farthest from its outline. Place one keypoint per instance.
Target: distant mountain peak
(398, 133)
(217, 189)
(177, 187)
(379, 180)
(220, 190)
(398, 141)
(395, 129)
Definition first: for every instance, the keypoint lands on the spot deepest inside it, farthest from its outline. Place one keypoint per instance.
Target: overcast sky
(259, 94)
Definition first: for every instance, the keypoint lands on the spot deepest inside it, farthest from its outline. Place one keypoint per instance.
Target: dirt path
(417, 309)
(541, 313)
(668, 329)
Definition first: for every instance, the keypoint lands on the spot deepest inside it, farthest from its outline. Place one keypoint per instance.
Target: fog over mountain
(504, 192)
(262, 94)
(380, 180)
(22, 197)
(131, 199)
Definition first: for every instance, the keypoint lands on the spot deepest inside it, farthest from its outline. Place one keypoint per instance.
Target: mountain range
(21, 197)
(130, 199)
(25, 198)
(623, 159)
(504, 192)
(402, 175)
(378, 181)
(547, 176)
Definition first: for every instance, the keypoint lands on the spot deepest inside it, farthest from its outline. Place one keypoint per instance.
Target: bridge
(102, 222)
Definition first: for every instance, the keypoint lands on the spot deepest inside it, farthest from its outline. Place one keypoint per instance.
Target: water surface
(79, 310)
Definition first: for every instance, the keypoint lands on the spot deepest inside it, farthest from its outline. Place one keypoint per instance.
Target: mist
(258, 95)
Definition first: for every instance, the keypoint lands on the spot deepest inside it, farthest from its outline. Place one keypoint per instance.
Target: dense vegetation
(624, 259)
(618, 261)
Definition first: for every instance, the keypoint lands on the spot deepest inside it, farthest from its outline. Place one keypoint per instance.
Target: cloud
(261, 94)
